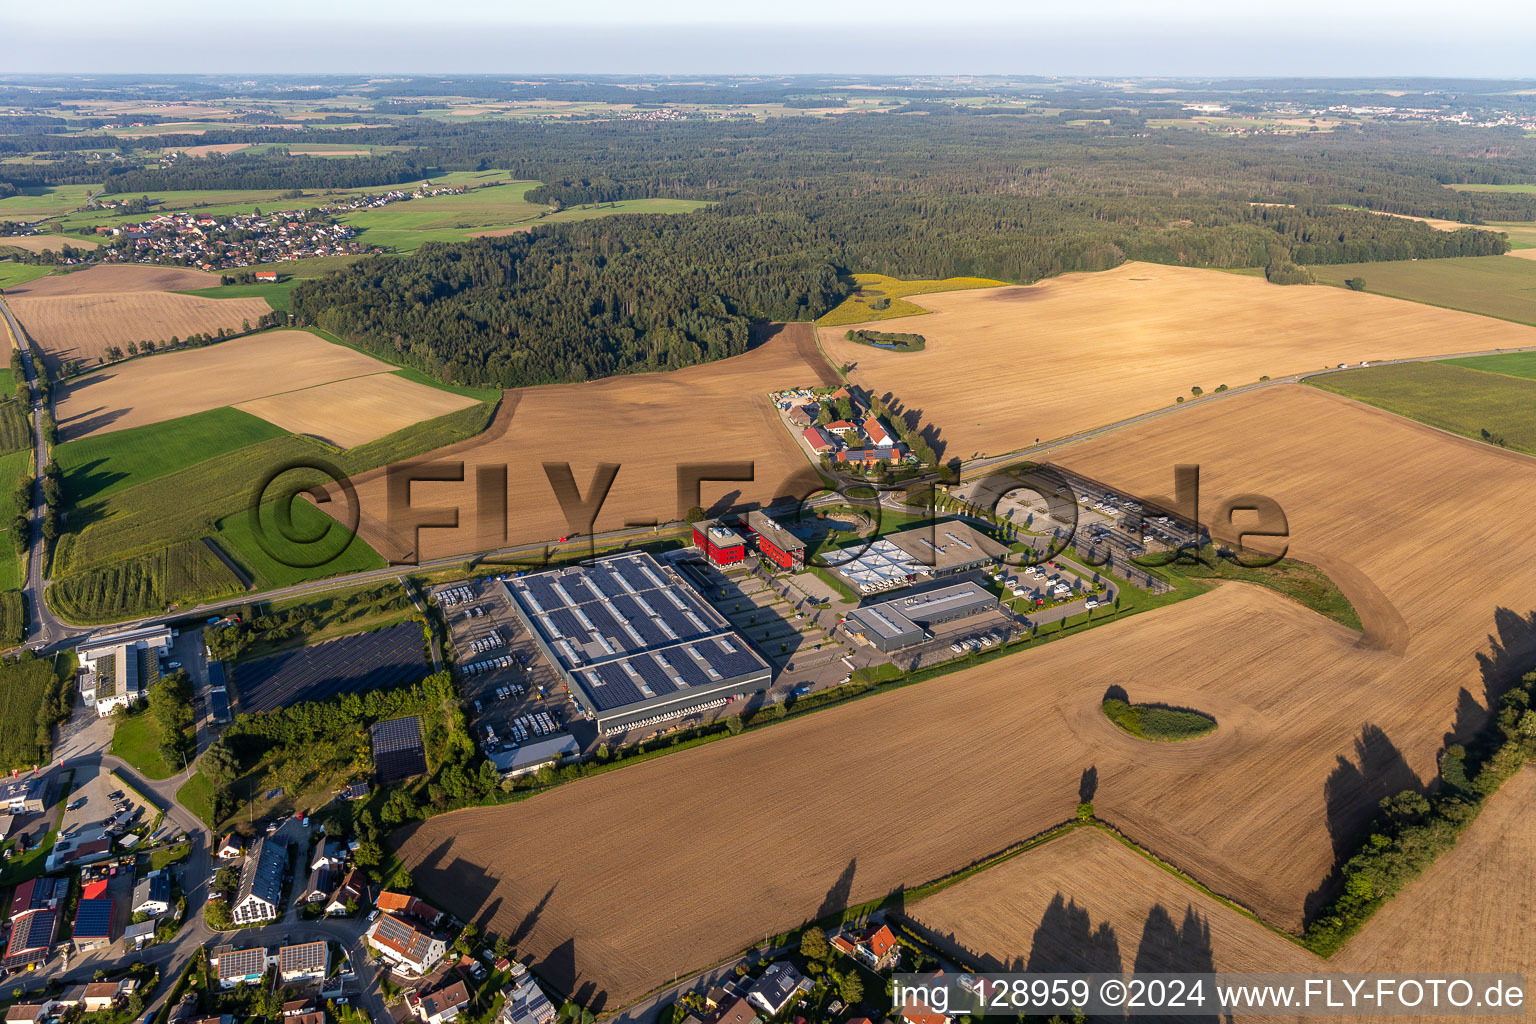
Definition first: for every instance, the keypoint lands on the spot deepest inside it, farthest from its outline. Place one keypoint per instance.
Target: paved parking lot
(498, 665)
(92, 805)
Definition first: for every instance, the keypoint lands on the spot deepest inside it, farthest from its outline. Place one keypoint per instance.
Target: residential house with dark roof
(779, 986)
(737, 1012)
(152, 895)
(31, 939)
(523, 1002)
(261, 882)
(353, 891)
(405, 944)
(306, 961)
(238, 966)
(441, 1004)
(230, 847)
(317, 888)
(23, 794)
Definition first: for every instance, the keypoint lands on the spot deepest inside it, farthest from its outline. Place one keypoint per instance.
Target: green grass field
(1497, 286)
(137, 740)
(15, 424)
(1302, 582)
(1456, 398)
(196, 795)
(235, 535)
(45, 201)
(1510, 364)
(1522, 234)
(180, 574)
(276, 293)
(13, 274)
(99, 466)
(12, 468)
(405, 226)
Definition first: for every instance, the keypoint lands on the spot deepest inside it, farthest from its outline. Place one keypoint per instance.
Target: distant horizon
(1488, 39)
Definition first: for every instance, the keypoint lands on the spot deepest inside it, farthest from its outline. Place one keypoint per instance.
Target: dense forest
(586, 300)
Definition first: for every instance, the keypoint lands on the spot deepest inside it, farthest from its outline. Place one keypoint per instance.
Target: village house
(875, 948)
(439, 1005)
(152, 895)
(238, 966)
(779, 986)
(230, 847)
(411, 947)
(261, 882)
(306, 961)
(523, 1002)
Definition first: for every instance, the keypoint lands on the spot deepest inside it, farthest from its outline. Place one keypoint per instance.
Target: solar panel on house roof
(307, 956)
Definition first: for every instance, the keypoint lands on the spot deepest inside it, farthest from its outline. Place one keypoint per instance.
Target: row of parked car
(976, 643)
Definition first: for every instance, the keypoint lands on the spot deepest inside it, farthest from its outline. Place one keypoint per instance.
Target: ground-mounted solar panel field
(353, 664)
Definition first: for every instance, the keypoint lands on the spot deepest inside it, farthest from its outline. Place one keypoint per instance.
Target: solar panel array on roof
(307, 956)
(625, 630)
(93, 919)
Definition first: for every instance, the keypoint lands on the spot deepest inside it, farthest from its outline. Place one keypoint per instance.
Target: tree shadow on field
(727, 502)
(1353, 795)
(463, 888)
(531, 919)
(1088, 785)
(1168, 948)
(1067, 942)
(836, 900)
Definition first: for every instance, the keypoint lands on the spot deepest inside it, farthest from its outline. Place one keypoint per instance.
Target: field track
(647, 423)
(249, 372)
(1316, 723)
(1004, 366)
(77, 316)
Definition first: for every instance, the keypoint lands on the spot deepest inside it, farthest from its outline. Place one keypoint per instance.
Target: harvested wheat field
(1316, 723)
(76, 316)
(1085, 902)
(649, 424)
(45, 243)
(1004, 366)
(350, 412)
(1473, 909)
(173, 384)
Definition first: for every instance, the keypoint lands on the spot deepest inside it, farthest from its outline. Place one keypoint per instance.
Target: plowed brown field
(1085, 902)
(1004, 366)
(76, 316)
(649, 424)
(43, 243)
(241, 372)
(649, 870)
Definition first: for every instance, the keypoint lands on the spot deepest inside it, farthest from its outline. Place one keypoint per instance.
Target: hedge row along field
(145, 584)
(885, 339)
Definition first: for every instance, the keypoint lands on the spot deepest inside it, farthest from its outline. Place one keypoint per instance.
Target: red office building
(720, 544)
(775, 543)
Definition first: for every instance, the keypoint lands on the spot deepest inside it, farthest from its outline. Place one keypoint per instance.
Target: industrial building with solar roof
(634, 643)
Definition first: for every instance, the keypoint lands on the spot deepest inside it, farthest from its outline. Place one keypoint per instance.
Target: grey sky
(1482, 38)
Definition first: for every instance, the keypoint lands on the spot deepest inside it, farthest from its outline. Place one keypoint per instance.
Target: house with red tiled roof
(876, 948)
(410, 906)
(877, 434)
